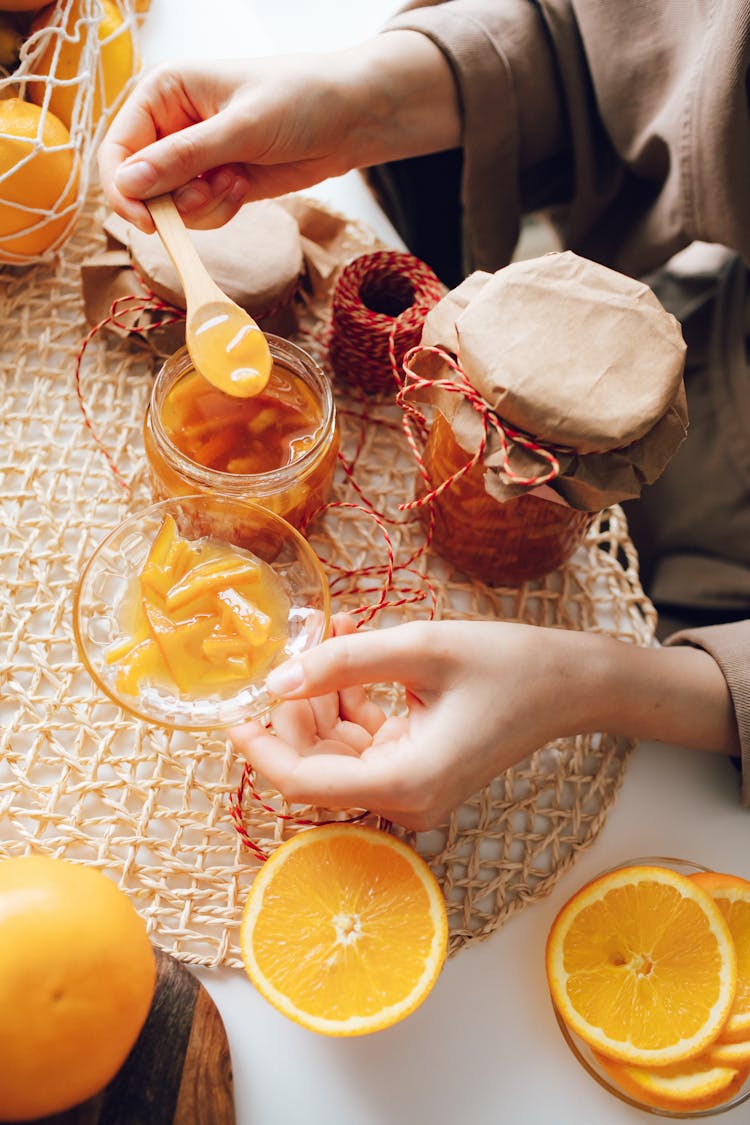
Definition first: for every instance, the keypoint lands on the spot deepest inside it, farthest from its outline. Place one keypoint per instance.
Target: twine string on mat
(120, 307)
(349, 468)
(81, 779)
(379, 304)
(248, 785)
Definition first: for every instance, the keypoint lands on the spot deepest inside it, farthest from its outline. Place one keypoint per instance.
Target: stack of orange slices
(650, 968)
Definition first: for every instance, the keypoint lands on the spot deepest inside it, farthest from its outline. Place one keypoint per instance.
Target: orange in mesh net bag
(39, 176)
(75, 63)
(65, 50)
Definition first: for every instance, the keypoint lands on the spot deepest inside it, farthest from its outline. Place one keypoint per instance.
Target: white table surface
(484, 1047)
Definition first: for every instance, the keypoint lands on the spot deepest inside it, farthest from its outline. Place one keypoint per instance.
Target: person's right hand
(247, 129)
(218, 134)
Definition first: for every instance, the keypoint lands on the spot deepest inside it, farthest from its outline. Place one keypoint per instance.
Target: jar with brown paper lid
(278, 448)
(557, 391)
(501, 544)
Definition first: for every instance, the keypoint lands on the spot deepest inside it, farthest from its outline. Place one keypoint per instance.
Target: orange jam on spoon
(225, 343)
(228, 348)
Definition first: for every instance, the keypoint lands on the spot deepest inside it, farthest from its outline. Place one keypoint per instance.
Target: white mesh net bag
(76, 62)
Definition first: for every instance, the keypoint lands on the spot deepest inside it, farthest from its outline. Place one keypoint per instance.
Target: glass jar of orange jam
(277, 448)
(501, 544)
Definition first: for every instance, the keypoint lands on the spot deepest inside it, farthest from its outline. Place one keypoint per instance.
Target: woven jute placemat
(81, 779)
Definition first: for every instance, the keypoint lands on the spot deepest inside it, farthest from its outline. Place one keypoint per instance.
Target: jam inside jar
(501, 544)
(277, 448)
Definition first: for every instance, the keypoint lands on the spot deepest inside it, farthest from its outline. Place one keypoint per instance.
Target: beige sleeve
(629, 120)
(729, 645)
(511, 111)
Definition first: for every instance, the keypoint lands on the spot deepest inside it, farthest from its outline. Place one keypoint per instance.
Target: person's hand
(480, 696)
(219, 134)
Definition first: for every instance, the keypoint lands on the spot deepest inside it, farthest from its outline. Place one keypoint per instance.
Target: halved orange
(732, 895)
(692, 1085)
(641, 964)
(345, 929)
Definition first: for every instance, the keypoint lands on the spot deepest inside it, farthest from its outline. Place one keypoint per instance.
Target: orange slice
(730, 1054)
(345, 930)
(641, 965)
(732, 896)
(692, 1085)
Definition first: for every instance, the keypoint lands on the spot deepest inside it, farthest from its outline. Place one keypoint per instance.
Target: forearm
(674, 695)
(404, 98)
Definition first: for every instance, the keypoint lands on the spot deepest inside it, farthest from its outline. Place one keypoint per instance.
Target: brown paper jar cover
(581, 360)
(256, 258)
(300, 226)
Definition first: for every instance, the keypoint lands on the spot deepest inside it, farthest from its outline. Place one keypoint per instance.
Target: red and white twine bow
(491, 421)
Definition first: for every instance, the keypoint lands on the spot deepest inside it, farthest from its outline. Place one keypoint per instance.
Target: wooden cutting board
(179, 1071)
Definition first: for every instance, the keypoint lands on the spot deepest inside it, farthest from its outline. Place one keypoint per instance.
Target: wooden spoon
(224, 342)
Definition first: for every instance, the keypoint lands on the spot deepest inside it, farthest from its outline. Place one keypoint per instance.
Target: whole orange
(116, 65)
(38, 180)
(77, 977)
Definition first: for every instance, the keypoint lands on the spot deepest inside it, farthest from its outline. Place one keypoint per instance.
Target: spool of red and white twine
(379, 305)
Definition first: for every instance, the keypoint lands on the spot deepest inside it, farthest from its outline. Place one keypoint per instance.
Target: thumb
(380, 656)
(176, 159)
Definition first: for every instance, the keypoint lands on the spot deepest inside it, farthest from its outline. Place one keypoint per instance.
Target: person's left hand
(480, 696)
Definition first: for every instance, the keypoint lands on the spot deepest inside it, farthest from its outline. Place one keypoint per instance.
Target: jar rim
(288, 355)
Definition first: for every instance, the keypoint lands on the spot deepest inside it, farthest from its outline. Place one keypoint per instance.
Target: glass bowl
(588, 1060)
(117, 561)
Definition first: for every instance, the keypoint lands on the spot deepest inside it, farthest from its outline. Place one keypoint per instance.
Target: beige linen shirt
(629, 123)
(631, 115)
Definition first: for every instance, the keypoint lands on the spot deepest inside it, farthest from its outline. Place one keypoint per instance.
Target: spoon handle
(198, 284)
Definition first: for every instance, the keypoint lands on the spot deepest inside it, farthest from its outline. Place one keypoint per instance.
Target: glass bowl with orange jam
(501, 544)
(277, 448)
(184, 608)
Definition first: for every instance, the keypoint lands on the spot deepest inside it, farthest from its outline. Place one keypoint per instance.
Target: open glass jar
(501, 544)
(278, 448)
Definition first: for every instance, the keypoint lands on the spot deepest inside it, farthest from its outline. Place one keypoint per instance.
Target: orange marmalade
(277, 448)
(201, 615)
(501, 544)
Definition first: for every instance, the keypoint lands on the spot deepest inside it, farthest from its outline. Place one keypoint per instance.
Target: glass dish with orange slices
(648, 968)
(185, 607)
